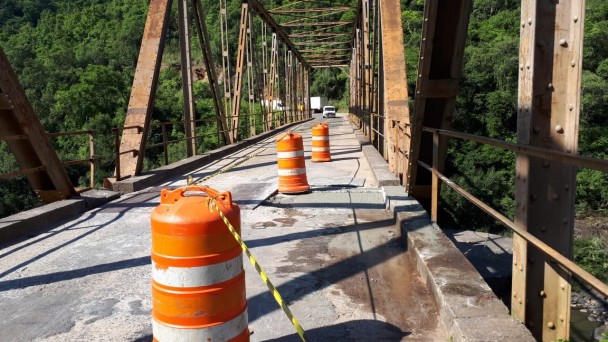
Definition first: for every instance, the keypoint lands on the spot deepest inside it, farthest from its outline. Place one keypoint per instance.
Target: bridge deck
(335, 255)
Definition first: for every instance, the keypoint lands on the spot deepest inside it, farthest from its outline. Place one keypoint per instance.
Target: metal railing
(574, 160)
(90, 160)
(264, 122)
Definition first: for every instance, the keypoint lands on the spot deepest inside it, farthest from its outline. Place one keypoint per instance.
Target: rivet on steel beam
(514, 295)
(542, 294)
(550, 325)
(426, 19)
(561, 318)
(515, 262)
(528, 66)
(536, 129)
(563, 42)
(575, 18)
(559, 129)
(567, 187)
(546, 163)
(521, 67)
(521, 268)
(529, 21)
(550, 86)
(530, 323)
(565, 220)
(540, 44)
(531, 260)
(573, 63)
(520, 301)
(563, 287)
(523, 24)
(543, 228)
(570, 107)
(534, 197)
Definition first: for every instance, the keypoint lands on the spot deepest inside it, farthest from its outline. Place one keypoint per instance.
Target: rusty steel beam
(326, 50)
(550, 59)
(331, 66)
(308, 10)
(187, 81)
(238, 76)
(272, 78)
(205, 44)
(394, 81)
(143, 89)
(327, 35)
(269, 20)
(444, 35)
(17, 118)
(226, 76)
(321, 23)
(251, 82)
(321, 43)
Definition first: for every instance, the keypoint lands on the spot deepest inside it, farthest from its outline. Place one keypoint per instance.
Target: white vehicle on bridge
(329, 112)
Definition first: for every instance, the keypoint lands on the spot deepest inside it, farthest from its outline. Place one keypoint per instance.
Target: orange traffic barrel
(320, 143)
(292, 168)
(198, 282)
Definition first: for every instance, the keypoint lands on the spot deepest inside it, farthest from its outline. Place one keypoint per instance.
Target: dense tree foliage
(487, 105)
(76, 60)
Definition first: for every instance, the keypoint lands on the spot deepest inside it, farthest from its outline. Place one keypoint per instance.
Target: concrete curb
(28, 222)
(379, 166)
(183, 166)
(468, 308)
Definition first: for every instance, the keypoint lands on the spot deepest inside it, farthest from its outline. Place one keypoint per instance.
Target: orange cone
(198, 282)
(292, 168)
(320, 143)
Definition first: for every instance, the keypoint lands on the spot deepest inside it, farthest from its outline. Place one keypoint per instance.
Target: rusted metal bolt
(542, 294)
(559, 129)
(563, 42)
(550, 325)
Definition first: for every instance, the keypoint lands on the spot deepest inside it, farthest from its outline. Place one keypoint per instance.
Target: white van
(329, 112)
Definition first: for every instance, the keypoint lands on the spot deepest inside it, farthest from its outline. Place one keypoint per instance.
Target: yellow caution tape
(191, 181)
(273, 290)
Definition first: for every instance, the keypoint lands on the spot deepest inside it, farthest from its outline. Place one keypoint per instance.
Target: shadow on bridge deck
(349, 269)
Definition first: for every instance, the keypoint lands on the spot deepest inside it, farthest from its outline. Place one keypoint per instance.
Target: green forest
(76, 60)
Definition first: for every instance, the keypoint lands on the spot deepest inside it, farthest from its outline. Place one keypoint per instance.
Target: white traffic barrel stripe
(320, 137)
(198, 276)
(320, 149)
(220, 332)
(293, 154)
(292, 172)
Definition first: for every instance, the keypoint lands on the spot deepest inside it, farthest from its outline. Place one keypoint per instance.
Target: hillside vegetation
(76, 60)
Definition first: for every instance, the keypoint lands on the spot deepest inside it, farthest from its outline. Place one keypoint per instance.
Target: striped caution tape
(191, 181)
(273, 290)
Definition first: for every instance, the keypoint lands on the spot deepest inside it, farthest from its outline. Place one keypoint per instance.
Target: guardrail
(574, 160)
(261, 120)
(90, 160)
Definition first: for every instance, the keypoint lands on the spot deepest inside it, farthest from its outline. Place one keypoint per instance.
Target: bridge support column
(548, 114)
(393, 89)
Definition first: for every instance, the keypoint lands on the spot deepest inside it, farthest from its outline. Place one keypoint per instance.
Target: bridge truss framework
(274, 59)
